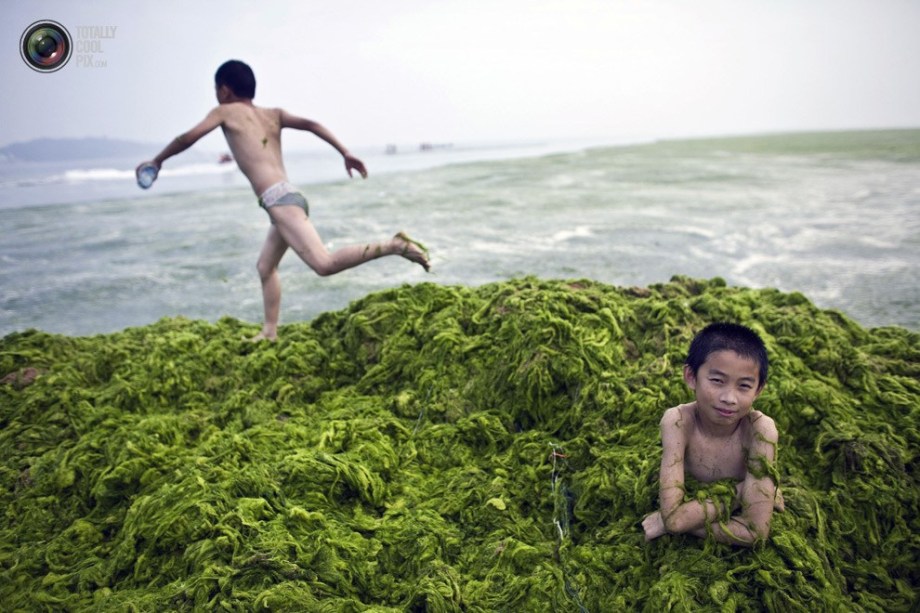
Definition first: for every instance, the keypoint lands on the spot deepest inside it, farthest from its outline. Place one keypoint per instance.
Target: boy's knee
(322, 266)
(265, 270)
(323, 269)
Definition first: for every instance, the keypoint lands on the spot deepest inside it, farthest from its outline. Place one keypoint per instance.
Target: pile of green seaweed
(447, 449)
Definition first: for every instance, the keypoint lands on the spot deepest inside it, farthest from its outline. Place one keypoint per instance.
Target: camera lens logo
(45, 46)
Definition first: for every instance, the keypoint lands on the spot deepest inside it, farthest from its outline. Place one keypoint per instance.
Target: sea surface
(835, 216)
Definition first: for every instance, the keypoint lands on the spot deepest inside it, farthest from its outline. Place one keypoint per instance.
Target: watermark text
(89, 46)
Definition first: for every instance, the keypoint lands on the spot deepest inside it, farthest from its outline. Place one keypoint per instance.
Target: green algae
(447, 449)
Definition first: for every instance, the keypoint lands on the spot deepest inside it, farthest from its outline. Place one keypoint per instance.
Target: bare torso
(254, 136)
(710, 458)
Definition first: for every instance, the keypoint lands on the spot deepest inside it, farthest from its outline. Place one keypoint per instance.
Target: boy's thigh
(295, 227)
(287, 214)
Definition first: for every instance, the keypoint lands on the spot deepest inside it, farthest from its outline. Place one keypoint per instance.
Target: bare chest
(708, 459)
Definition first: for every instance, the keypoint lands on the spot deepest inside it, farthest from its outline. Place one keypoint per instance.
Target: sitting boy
(719, 436)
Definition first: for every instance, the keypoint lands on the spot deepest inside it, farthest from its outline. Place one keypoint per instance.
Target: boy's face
(726, 386)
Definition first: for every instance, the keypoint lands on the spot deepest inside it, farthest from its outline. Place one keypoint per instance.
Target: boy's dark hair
(238, 76)
(719, 336)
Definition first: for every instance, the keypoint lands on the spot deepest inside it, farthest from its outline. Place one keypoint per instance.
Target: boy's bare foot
(262, 336)
(413, 251)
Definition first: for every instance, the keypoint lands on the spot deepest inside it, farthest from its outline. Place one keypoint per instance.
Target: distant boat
(225, 158)
(433, 146)
(391, 150)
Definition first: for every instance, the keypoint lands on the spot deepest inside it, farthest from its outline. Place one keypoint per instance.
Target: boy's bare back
(253, 134)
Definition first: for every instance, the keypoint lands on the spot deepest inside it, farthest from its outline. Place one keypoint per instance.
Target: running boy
(254, 136)
(719, 436)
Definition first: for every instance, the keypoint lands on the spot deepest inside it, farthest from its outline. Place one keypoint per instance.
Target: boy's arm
(300, 123)
(758, 492)
(677, 516)
(187, 139)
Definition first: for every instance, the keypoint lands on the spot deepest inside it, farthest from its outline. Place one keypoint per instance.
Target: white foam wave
(96, 174)
(89, 175)
(197, 169)
(579, 232)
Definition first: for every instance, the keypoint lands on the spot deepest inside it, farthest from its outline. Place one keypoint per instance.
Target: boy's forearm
(177, 145)
(733, 532)
(691, 516)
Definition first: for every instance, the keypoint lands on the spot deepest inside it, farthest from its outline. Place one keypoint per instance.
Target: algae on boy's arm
(759, 464)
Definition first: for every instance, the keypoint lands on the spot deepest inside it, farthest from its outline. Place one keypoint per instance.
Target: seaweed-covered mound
(447, 449)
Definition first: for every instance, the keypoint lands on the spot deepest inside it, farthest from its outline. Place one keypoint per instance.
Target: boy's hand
(653, 525)
(353, 163)
(154, 162)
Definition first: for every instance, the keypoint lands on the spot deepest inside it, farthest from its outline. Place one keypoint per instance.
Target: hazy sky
(407, 71)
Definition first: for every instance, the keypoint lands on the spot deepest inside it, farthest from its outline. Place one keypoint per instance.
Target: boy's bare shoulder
(762, 426)
(270, 110)
(237, 109)
(680, 416)
(761, 421)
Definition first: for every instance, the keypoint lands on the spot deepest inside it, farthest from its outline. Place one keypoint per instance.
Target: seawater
(834, 216)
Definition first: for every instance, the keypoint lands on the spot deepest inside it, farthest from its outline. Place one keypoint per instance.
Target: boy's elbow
(673, 523)
(184, 141)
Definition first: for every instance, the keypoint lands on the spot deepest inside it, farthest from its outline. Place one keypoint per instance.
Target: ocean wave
(94, 174)
(565, 235)
(89, 175)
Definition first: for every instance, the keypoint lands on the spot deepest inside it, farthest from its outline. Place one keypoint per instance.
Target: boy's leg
(298, 232)
(272, 251)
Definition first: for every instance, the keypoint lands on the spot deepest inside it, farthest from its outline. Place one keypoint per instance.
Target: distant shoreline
(98, 148)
